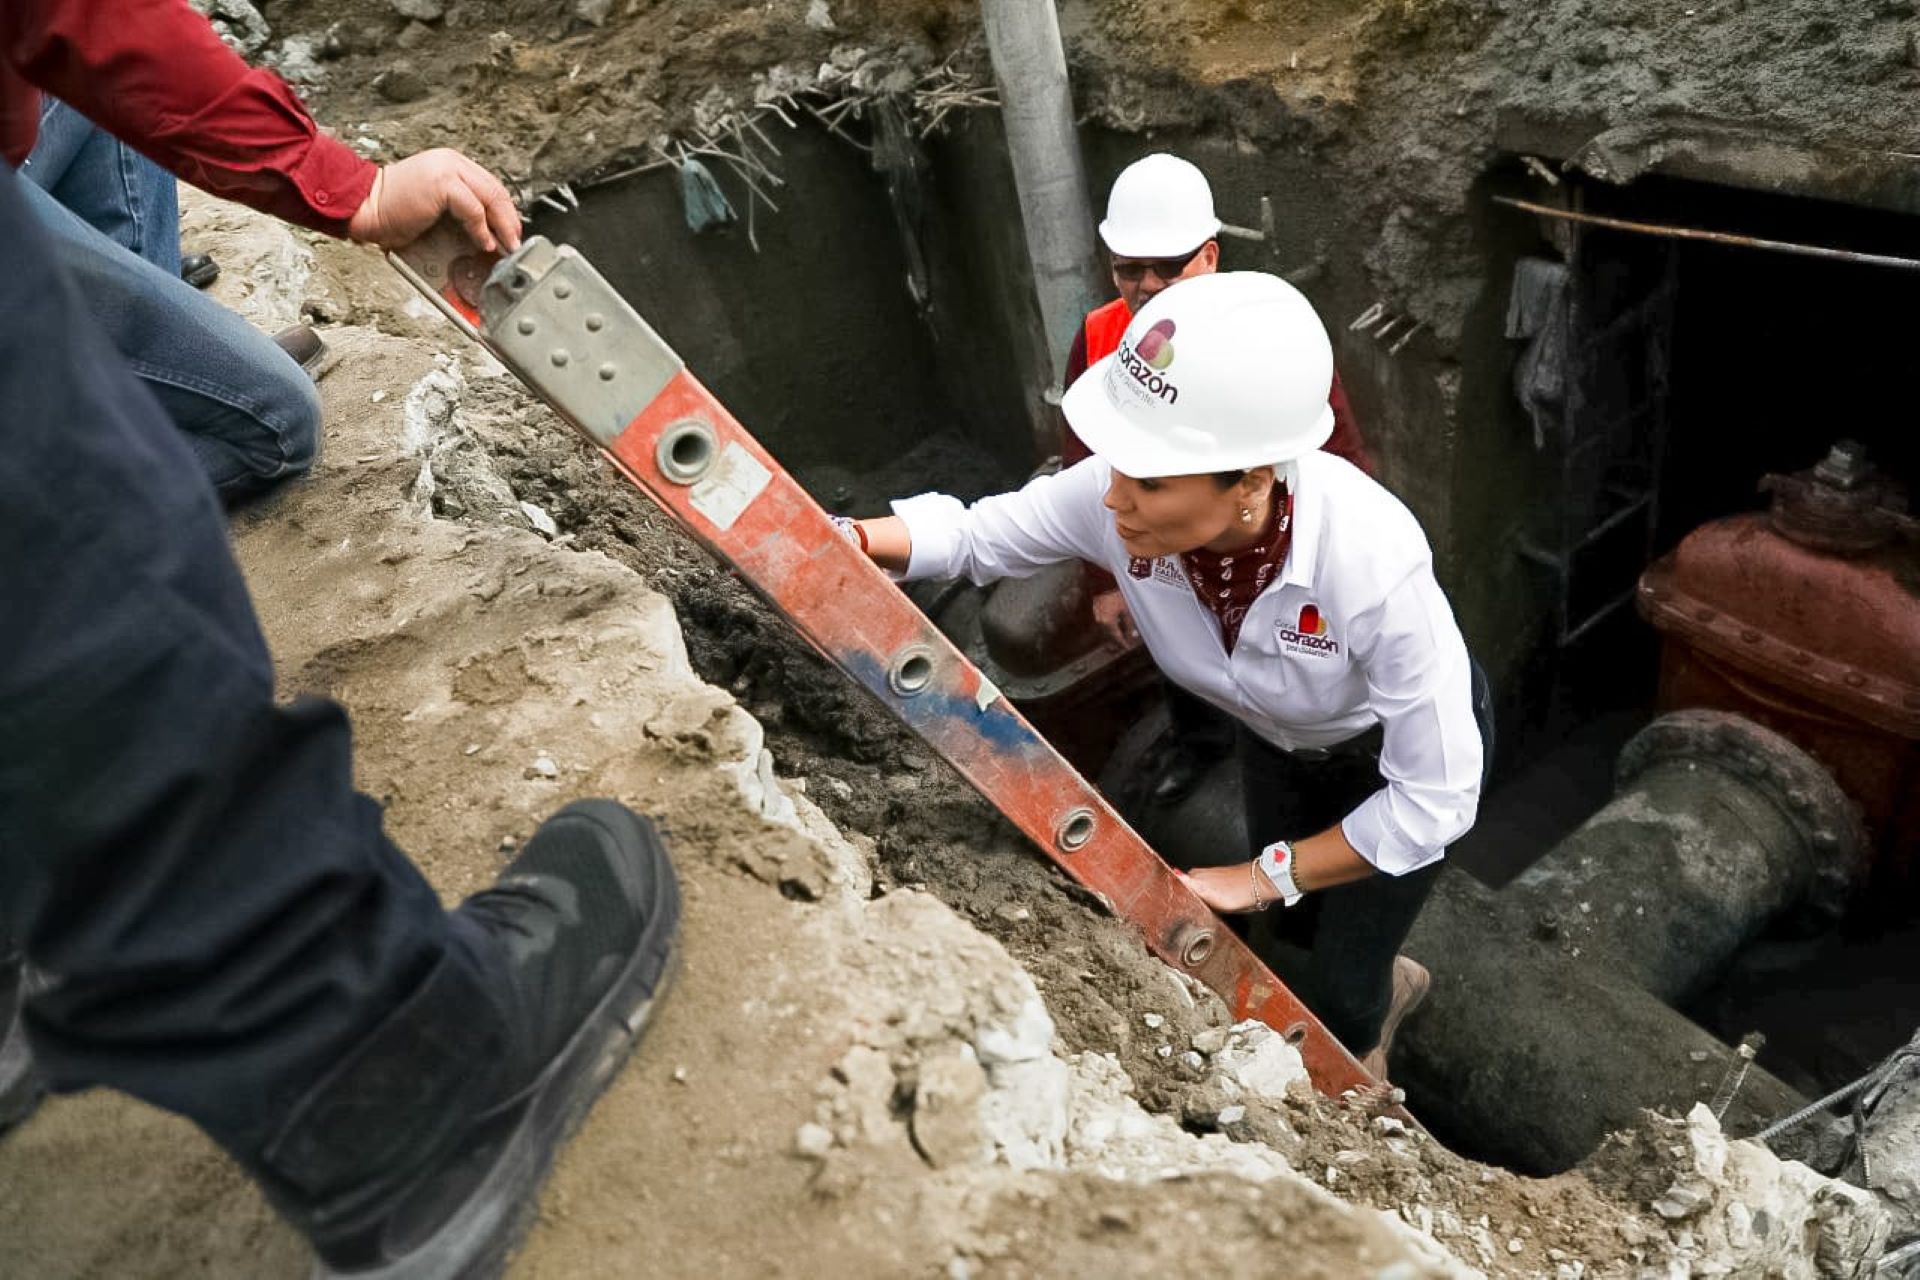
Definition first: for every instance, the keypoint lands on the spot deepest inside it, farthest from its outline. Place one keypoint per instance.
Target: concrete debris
(543, 767)
(299, 60)
(818, 16)
(1747, 1212)
(238, 23)
(1114, 1136)
(1890, 1151)
(948, 1126)
(1024, 1037)
(537, 517)
(592, 12)
(813, 1141)
(1209, 1041)
(1153, 1021)
(419, 10)
(428, 416)
(782, 81)
(1259, 1063)
(1025, 1113)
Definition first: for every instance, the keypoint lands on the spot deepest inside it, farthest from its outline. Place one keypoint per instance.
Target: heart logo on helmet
(1156, 345)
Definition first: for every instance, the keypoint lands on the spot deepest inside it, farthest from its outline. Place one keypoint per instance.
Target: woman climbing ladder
(1283, 586)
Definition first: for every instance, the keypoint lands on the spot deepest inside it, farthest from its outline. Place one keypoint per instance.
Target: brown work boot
(1411, 982)
(301, 343)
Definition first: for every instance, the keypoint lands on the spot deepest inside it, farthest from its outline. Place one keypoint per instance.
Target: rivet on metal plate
(527, 324)
(606, 372)
(559, 357)
(686, 451)
(912, 671)
(1075, 830)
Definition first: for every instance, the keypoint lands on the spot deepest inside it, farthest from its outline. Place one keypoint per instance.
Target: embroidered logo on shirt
(1308, 635)
(1166, 569)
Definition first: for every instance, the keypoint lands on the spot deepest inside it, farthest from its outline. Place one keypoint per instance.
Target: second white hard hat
(1160, 207)
(1217, 373)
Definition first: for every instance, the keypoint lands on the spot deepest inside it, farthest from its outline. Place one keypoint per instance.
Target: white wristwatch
(1276, 862)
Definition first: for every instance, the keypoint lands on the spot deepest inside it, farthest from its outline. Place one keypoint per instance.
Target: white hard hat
(1217, 373)
(1160, 207)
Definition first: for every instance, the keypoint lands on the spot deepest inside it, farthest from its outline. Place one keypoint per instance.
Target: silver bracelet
(1277, 861)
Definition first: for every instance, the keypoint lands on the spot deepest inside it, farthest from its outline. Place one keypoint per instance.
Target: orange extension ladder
(552, 319)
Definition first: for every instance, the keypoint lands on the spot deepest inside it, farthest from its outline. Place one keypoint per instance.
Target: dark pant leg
(1349, 934)
(1197, 724)
(210, 912)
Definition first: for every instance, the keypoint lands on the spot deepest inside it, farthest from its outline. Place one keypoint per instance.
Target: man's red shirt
(155, 75)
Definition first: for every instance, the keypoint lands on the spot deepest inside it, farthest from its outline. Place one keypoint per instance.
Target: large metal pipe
(1036, 106)
(1717, 826)
(1547, 1026)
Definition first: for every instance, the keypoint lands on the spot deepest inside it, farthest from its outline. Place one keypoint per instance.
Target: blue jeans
(248, 411)
(220, 915)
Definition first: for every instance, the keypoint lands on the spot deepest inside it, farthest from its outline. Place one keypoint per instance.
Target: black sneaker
(20, 1086)
(576, 943)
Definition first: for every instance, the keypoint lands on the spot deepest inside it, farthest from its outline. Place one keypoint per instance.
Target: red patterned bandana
(1229, 584)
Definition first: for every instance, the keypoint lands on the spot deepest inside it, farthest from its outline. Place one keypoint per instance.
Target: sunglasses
(1134, 270)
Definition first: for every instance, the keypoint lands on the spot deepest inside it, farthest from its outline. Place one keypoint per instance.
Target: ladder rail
(550, 317)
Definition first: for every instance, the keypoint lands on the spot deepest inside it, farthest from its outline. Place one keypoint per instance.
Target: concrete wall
(814, 341)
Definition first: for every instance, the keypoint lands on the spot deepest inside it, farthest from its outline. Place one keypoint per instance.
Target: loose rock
(400, 83)
(420, 10)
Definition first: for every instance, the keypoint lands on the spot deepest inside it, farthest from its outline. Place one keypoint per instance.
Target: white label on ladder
(730, 488)
(987, 694)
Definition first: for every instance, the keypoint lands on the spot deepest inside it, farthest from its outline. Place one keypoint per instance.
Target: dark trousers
(210, 915)
(1335, 949)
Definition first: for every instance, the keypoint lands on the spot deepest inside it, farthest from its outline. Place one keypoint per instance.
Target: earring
(1246, 515)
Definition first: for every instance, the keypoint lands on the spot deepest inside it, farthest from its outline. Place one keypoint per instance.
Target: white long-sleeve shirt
(1354, 632)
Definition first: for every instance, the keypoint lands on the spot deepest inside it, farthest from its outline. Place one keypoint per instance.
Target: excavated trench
(875, 333)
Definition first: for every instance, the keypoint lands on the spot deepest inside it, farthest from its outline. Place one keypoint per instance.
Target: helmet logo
(1138, 368)
(1156, 345)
